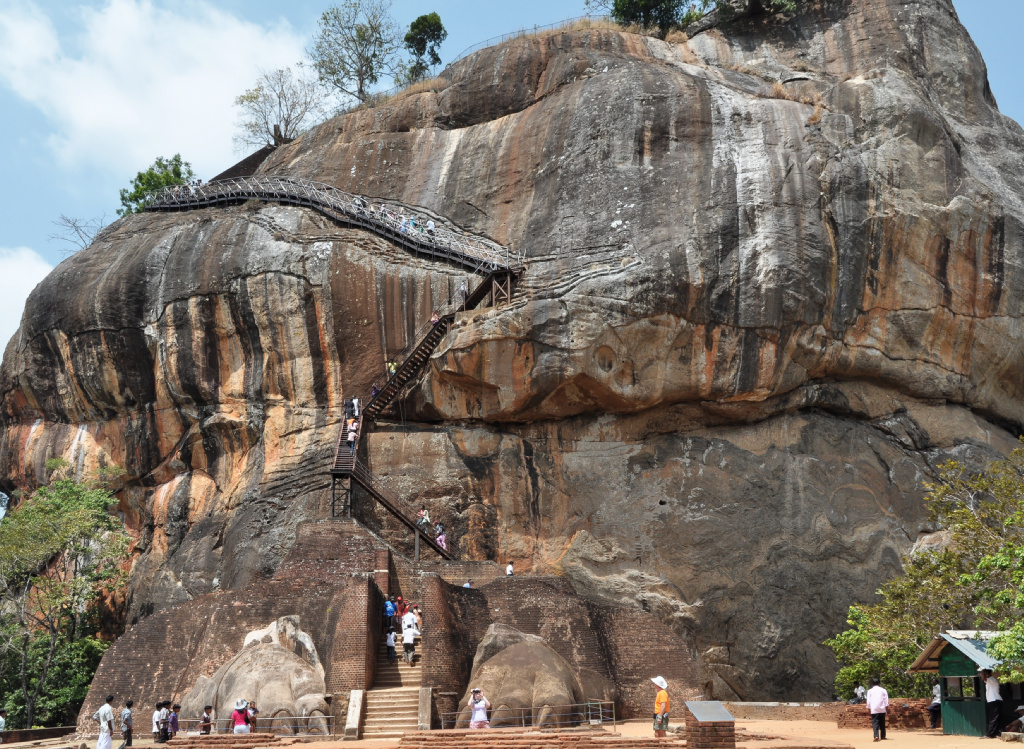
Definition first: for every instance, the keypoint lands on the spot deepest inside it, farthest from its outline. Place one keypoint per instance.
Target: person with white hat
(661, 706)
(1017, 726)
(240, 717)
(478, 705)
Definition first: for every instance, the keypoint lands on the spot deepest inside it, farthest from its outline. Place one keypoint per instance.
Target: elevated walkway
(398, 224)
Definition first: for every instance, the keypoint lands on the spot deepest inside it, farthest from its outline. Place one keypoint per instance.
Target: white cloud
(136, 80)
(20, 270)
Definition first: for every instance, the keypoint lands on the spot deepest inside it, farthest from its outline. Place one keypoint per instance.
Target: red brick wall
(36, 734)
(901, 713)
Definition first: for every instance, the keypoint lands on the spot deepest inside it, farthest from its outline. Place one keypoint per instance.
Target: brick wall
(36, 734)
(325, 580)
(901, 713)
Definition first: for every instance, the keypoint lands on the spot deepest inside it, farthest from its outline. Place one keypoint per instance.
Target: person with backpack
(105, 715)
(126, 724)
(240, 717)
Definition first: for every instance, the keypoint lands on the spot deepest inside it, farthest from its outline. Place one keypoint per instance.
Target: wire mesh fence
(589, 713)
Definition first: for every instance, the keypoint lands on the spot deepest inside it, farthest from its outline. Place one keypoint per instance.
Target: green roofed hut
(957, 657)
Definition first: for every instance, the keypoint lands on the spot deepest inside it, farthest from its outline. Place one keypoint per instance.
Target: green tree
(664, 14)
(423, 40)
(356, 44)
(163, 172)
(973, 579)
(60, 551)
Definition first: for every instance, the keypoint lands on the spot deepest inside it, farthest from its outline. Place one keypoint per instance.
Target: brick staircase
(392, 706)
(232, 741)
(517, 739)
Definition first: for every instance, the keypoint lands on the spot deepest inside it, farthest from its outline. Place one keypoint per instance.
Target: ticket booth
(956, 657)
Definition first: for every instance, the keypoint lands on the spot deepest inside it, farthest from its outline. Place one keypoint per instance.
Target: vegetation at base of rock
(356, 44)
(292, 102)
(423, 41)
(972, 579)
(162, 173)
(61, 554)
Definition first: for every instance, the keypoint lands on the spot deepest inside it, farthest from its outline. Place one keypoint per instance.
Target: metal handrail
(368, 478)
(310, 725)
(392, 221)
(512, 35)
(591, 712)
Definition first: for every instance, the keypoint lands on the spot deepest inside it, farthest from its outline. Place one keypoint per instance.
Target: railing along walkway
(395, 223)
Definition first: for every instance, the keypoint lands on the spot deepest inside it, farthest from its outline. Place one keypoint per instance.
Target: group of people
(439, 533)
(405, 617)
(166, 718)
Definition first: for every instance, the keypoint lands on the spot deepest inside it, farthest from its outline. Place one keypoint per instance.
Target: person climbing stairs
(392, 705)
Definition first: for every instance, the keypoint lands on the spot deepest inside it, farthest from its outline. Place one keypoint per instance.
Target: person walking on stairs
(389, 613)
(423, 517)
(409, 636)
(441, 537)
(661, 707)
(353, 433)
(509, 571)
(391, 645)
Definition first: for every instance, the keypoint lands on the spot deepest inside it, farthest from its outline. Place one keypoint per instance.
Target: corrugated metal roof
(972, 643)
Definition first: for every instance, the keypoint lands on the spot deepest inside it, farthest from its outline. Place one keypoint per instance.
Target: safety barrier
(397, 223)
(287, 725)
(591, 712)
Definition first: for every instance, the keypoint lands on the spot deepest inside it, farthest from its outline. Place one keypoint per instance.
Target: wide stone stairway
(392, 706)
(514, 738)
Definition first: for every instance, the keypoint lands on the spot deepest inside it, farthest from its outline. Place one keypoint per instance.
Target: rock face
(749, 328)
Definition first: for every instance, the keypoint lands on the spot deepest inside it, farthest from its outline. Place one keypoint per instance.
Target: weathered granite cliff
(749, 329)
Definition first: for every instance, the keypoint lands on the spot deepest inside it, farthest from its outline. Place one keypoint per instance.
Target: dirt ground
(750, 734)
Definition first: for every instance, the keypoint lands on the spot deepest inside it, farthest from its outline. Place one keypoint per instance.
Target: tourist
(860, 694)
(936, 707)
(508, 570)
(392, 368)
(349, 409)
(164, 720)
(409, 618)
(435, 318)
(389, 613)
(993, 703)
(878, 701)
(468, 583)
(156, 723)
(206, 721)
(419, 618)
(661, 707)
(409, 635)
(240, 717)
(391, 645)
(355, 407)
(3, 723)
(353, 433)
(105, 715)
(423, 516)
(126, 724)
(252, 711)
(172, 720)
(430, 227)
(440, 537)
(1016, 726)
(373, 391)
(478, 706)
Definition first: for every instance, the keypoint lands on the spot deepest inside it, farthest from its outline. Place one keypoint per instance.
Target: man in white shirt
(860, 694)
(409, 635)
(936, 707)
(993, 704)
(3, 723)
(468, 584)
(878, 702)
(508, 570)
(105, 715)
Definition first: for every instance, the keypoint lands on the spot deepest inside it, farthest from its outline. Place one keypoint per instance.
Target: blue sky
(92, 91)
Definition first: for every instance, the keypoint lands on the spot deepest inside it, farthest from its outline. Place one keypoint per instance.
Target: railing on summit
(283, 725)
(590, 713)
(391, 220)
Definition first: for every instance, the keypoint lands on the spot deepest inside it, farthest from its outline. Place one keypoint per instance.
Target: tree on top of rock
(163, 173)
(663, 15)
(280, 99)
(356, 44)
(423, 41)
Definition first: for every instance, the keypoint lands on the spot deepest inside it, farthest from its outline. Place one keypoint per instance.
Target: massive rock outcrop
(749, 329)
